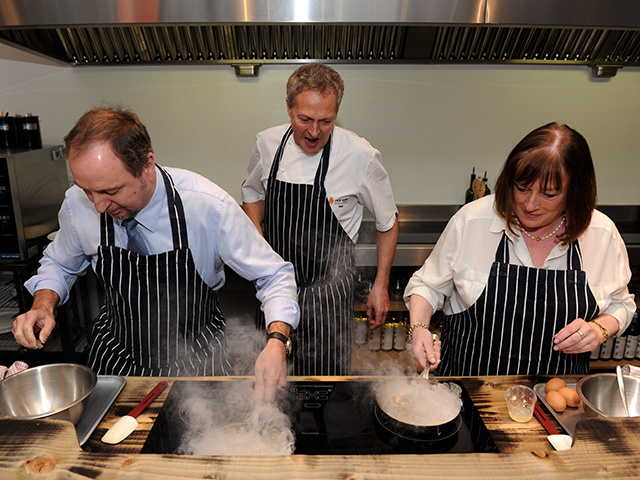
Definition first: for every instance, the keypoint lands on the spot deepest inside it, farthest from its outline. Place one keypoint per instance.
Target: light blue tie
(135, 242)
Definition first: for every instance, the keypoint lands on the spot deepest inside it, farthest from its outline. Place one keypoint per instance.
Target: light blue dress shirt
(219, 233)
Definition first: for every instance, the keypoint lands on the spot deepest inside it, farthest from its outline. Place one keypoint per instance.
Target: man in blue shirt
(161, 314)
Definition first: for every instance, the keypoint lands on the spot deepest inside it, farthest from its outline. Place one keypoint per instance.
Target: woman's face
(537, 207)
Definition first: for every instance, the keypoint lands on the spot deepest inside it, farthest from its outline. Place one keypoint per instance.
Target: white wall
(431, 123)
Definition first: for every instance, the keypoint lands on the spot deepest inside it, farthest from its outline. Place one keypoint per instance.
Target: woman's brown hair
(542, 156)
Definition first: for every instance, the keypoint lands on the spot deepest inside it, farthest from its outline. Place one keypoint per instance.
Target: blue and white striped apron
(510, 328)
(159, 318)
(300, 225)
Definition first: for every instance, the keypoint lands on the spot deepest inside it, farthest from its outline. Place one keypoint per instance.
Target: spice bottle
(386, 342)
(361, 335)
(619, 344)
(400, 335)
(606, 349)
(632, 338)
(375, 339)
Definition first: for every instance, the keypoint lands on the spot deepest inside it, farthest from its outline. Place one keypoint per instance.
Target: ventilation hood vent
(601, 34)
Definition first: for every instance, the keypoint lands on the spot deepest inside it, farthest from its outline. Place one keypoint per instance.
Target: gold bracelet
(412, 328)
(605, 334)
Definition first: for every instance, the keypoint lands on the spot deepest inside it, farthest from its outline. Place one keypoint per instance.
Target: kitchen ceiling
(601, 34)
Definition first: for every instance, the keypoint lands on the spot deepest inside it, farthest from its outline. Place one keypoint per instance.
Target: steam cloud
(228, 421)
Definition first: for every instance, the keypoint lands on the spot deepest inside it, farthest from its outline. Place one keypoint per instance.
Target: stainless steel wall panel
(44, 13)
(569, 13)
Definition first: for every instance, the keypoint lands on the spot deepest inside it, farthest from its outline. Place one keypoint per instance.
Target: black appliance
(330, 418)
(32, 188)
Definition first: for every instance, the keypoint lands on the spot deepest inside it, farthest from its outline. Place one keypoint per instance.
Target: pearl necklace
(538, 239)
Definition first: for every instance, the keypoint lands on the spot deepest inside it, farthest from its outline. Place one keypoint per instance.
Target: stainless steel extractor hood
(601, 34)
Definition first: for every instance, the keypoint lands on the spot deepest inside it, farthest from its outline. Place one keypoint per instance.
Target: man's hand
(377, 305)
(271, 365)
(378, 300)
(37, 321)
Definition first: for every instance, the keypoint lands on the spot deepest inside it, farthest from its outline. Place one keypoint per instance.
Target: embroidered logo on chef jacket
(339, 202)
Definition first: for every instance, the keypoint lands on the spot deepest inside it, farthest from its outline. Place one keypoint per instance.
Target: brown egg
(571, 396)
(556, 401)
(555, 384)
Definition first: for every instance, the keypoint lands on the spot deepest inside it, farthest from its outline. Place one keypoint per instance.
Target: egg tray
(567, 419)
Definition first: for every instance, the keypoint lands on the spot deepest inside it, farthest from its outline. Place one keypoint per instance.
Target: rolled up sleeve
(244, 250)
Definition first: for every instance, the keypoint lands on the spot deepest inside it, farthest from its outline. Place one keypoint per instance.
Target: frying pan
(418, 409)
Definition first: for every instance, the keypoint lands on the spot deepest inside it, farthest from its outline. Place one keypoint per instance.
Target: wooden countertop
(603, 448)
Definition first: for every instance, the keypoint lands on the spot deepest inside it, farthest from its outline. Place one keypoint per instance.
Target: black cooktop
(332, 418)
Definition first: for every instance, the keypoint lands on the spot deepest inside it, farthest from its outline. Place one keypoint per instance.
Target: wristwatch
(283, 338)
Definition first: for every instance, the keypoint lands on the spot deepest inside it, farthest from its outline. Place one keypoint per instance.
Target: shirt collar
(149, 216)
(499, 225)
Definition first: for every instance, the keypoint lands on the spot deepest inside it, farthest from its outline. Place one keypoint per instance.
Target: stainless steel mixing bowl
(58, 391)
(600, 395)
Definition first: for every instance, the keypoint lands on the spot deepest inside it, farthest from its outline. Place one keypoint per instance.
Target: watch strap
(283, 338)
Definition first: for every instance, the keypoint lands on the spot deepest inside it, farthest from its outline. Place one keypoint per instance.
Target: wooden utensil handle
(146, 401)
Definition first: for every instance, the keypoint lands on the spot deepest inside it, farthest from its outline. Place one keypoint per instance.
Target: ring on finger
(581, 334)
(435, 338)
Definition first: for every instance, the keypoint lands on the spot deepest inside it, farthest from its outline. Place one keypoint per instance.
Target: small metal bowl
(58, 391)
(601, 397)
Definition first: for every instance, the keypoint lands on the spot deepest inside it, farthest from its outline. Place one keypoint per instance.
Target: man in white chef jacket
(158, 239)
(307, 185)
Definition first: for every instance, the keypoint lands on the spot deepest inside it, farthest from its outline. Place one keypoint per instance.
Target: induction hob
(329, 418)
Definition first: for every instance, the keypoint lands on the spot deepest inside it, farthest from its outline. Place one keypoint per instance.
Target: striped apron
(159, 318)
(510, 328)
(300, 225)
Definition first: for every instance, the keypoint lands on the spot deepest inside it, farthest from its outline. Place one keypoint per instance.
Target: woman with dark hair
(530, 279)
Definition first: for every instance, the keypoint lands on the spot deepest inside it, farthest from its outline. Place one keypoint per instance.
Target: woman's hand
(425, 348)
(577, 337)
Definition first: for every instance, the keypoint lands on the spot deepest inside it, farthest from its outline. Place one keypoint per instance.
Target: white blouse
(455, 274)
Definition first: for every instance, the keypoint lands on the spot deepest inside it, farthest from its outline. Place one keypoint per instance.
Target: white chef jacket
(458, 268)
(355, 178)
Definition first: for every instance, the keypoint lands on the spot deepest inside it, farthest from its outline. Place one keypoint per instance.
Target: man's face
(312, 119)
(107, 182)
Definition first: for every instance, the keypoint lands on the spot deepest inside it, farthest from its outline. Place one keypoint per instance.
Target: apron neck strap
(574, 256)
(321, 173)
(276, 160)
(107, 236)
(502, 252)
(176, 212)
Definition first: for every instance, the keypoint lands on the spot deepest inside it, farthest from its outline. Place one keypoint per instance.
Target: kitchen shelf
(394, 306)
